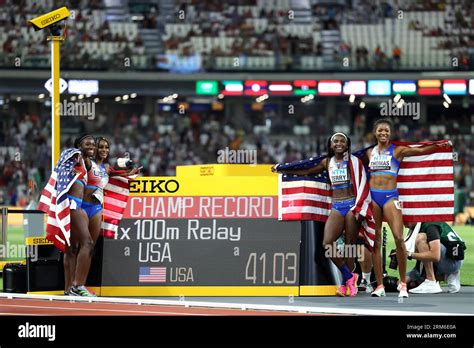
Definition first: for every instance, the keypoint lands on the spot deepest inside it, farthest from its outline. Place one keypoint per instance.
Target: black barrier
(315, 268)
(46, 271)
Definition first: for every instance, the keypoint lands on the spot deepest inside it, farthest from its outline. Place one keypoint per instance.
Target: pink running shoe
(341, 291)
(352, 284)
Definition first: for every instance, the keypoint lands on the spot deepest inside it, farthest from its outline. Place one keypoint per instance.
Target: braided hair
(78, 140)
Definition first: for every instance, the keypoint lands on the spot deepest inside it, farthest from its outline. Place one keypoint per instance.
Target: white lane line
(101, 310)
(20, 314)
(235, 305)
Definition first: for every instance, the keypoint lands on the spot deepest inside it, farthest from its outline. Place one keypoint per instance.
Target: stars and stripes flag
(426, 184)
(309, 197)
(116, 194)
(152, 275)
(54, 200)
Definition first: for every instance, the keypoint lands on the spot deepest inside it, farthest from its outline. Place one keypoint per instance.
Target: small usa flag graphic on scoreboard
(152, 275)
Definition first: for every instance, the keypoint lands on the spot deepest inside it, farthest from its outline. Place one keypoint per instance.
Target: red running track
(63, 308)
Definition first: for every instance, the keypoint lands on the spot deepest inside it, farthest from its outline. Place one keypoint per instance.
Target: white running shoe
(379, 292)
(403, 290)
(454, 282)
(369, 288)
(427, 287)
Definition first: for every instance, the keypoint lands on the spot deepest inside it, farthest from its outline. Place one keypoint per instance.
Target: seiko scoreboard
(209, 231)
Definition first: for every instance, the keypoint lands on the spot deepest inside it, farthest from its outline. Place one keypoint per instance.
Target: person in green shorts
(439, 252)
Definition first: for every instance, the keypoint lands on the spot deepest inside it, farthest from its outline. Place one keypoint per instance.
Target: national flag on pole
(304, 87)
(280, 88)
(116, 194)
(152, 275)
(455, 87)
(55, 202)
(309, 197)
(329, 87)
(429, 87)
(233, 88)
(256, 87)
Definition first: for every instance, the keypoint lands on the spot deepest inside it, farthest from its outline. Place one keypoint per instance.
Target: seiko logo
(50, 19)
(154, 186)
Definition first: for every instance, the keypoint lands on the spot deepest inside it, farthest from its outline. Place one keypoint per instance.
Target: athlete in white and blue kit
(384, 162)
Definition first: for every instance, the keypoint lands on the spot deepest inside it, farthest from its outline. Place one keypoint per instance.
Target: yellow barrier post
(55, 96)
(51, 21)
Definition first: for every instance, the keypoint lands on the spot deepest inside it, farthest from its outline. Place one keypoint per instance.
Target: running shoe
(454, 282)
(341, 291)
(81, 291)
(363, 284)
(369, 288)
(427, 287)
(352, 284)
(403, 290)
(378, 292)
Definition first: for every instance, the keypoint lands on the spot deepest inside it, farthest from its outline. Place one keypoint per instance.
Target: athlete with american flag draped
(348, 206)
(75, 216)
(423, 180)
(384, 162)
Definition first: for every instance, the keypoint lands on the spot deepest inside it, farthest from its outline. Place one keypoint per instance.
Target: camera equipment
(393, 259)
(384, 251)
(50, 20)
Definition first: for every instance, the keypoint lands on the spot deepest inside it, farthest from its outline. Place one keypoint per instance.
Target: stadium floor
(363, 304)
(427, 304)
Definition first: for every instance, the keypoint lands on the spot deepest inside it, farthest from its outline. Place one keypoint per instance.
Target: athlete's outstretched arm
(366, 158)
(309, 171)
(132, 171)
(404, 151)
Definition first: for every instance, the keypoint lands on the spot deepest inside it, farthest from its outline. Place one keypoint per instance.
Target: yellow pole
(56, 101)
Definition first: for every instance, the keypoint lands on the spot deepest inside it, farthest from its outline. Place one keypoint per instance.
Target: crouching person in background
(439, 252)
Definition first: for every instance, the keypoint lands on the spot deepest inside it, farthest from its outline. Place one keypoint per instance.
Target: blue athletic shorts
(91, 209)
(381, 197)
(343, 207)
(75, 203)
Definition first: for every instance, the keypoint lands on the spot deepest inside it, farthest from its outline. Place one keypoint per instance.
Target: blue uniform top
(339, 174)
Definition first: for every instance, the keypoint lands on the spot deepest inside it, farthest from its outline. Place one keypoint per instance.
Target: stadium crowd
(91, 42)
(97, 43)
(162, 141)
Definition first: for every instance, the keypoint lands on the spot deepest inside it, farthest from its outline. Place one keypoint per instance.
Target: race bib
(99, 194)
(380, 162)
(339, 176)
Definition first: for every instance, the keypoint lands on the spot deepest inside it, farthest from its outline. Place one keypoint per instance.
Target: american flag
(152, 275)
(54, 200)
(425, 184)
(116, 194)
(309, 197)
